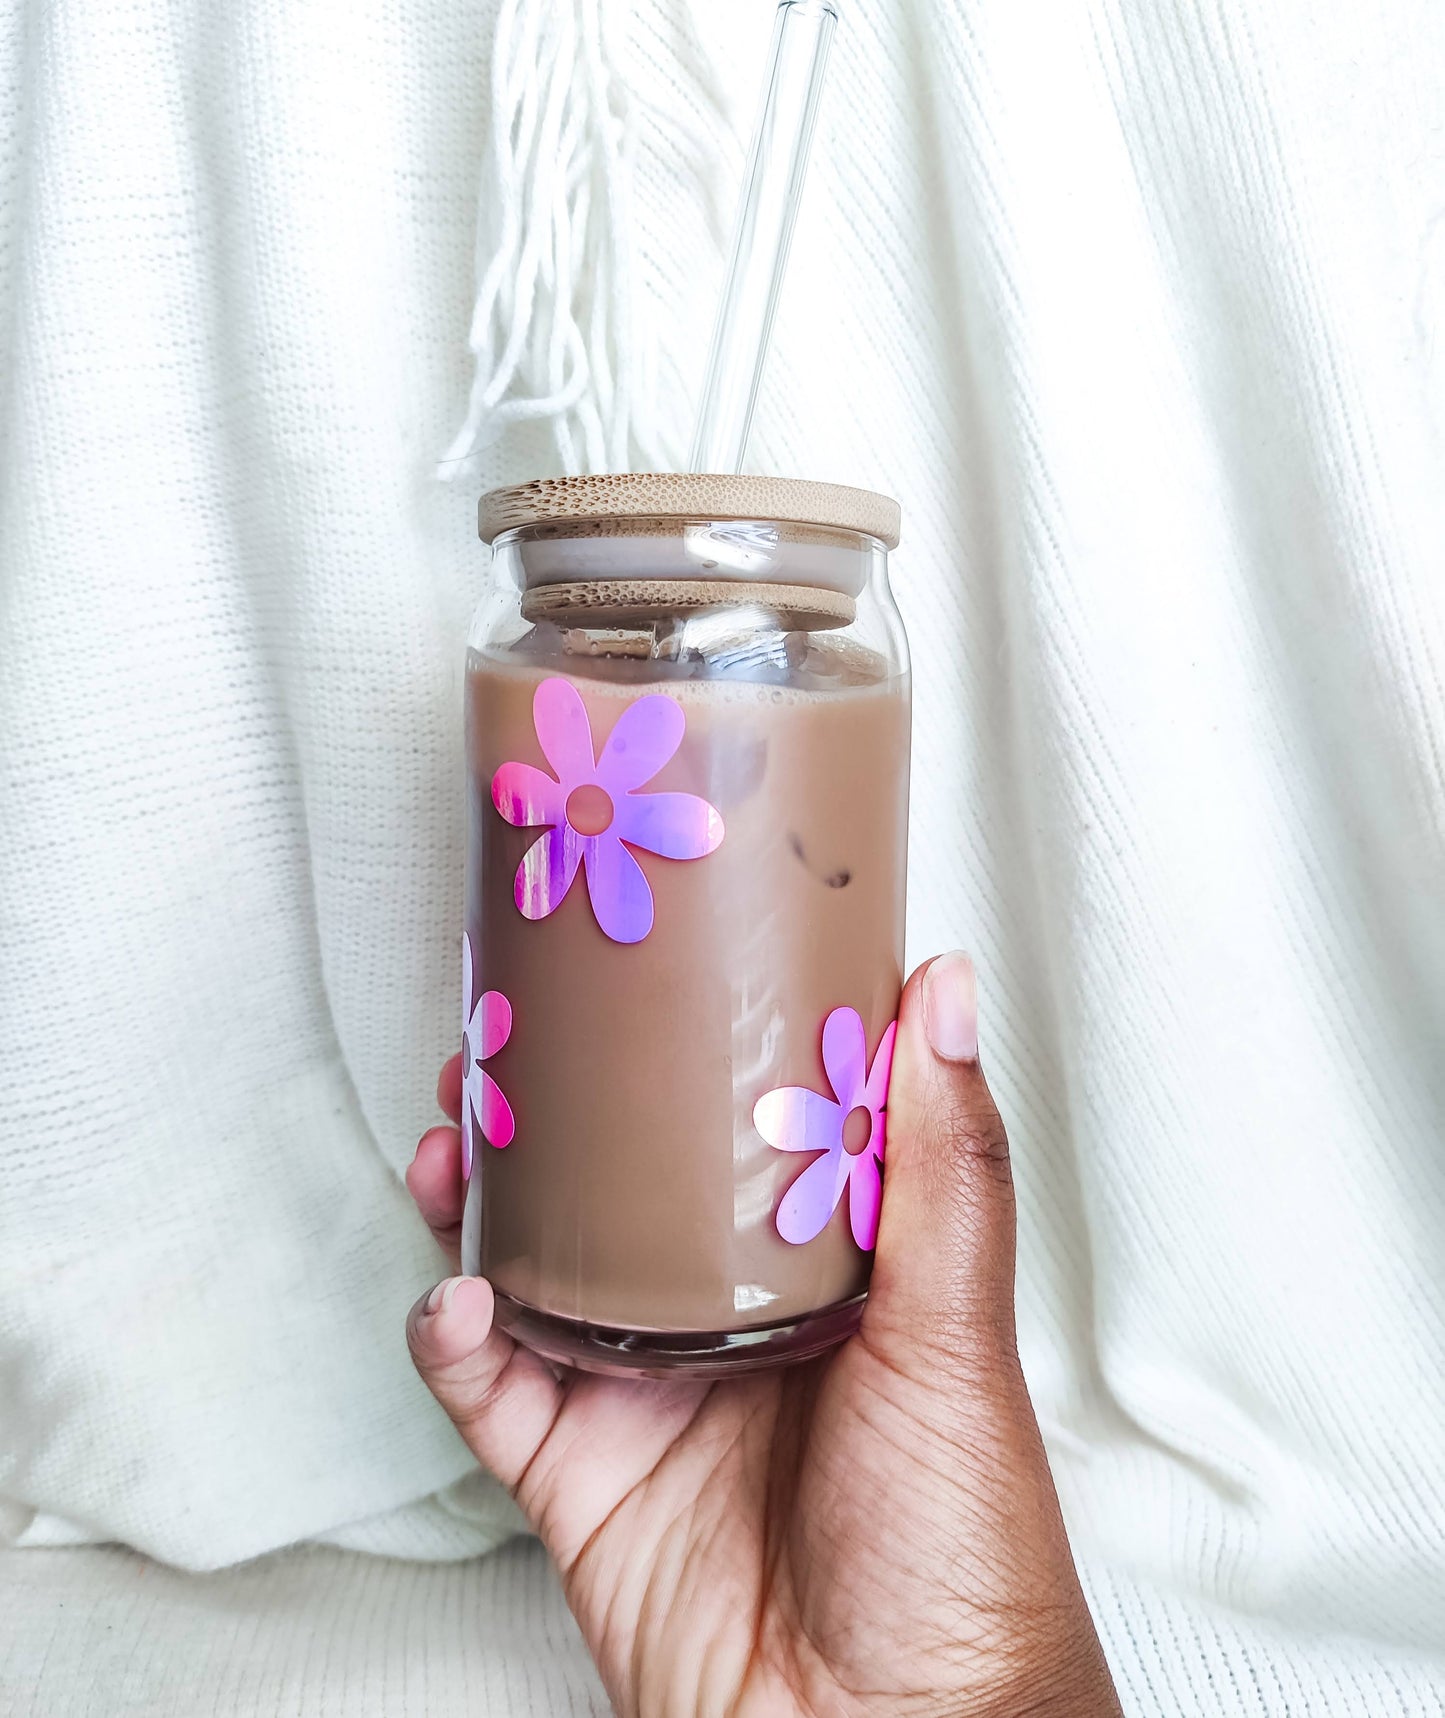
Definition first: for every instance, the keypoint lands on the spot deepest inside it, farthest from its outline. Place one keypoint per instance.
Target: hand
(874, 1532)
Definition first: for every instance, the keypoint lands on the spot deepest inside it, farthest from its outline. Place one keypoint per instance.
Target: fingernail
(441, 1296)
(950, 1008)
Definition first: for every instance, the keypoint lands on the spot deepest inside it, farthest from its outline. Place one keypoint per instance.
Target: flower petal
(496, 1022)
(845, 1055)
(875, 1092)
(563, 731)
(676, 825)
(643, 738)
(466, 981)
(812, 1199)
(526, 796)
(466, 1133)
(546, 872)
(792, 1118)
(499, 1125)
(865, 1195)
(621, 897)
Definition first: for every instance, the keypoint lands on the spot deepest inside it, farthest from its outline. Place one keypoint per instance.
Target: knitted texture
(305, 1631)
(1137, 310)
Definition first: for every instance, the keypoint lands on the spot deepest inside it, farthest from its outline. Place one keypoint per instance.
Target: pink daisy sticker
(594, 811)
(485, 1029)
(848, 1129)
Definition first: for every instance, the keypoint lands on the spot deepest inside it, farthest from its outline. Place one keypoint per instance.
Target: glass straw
(772, 189)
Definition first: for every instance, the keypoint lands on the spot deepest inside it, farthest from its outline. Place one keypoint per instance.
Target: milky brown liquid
(637, 1192)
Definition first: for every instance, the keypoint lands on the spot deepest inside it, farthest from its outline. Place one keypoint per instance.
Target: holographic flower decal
(485, 1029)
(848, 1129)
(595, 812)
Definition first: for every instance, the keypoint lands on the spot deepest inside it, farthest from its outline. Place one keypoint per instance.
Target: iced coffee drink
(687, 726)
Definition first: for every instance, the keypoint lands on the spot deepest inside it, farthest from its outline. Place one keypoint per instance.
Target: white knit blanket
(1140, 310)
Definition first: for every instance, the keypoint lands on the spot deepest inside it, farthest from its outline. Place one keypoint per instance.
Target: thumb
(942, 1291)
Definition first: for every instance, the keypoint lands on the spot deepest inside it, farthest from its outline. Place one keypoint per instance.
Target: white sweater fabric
(1140, 311)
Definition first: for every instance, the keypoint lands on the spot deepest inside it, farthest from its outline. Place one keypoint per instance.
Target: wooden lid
(669, 495)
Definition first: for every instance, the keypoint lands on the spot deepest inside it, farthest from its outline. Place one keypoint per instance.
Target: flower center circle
(857, 1129)
(589, 809)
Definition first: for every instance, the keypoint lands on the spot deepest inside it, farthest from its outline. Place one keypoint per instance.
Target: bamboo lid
(671, 495)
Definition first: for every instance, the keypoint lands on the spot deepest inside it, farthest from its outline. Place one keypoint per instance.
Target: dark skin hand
(875, 1532)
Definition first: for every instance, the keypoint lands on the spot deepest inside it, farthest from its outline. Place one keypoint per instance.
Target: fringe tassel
(567, 327)
(550, 332)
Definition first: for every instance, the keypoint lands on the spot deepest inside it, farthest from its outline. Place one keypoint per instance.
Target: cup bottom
(702, 1354)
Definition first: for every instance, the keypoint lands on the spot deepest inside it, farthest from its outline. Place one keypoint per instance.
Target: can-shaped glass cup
(687, 730)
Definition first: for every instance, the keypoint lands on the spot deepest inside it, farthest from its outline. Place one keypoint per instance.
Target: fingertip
(451, 1322)
(939, 1103)
(950, 1007)
(449, 1087)
(434, 1177)
(438, 1149)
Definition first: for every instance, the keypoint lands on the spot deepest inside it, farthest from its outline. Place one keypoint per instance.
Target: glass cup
(687, 723)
